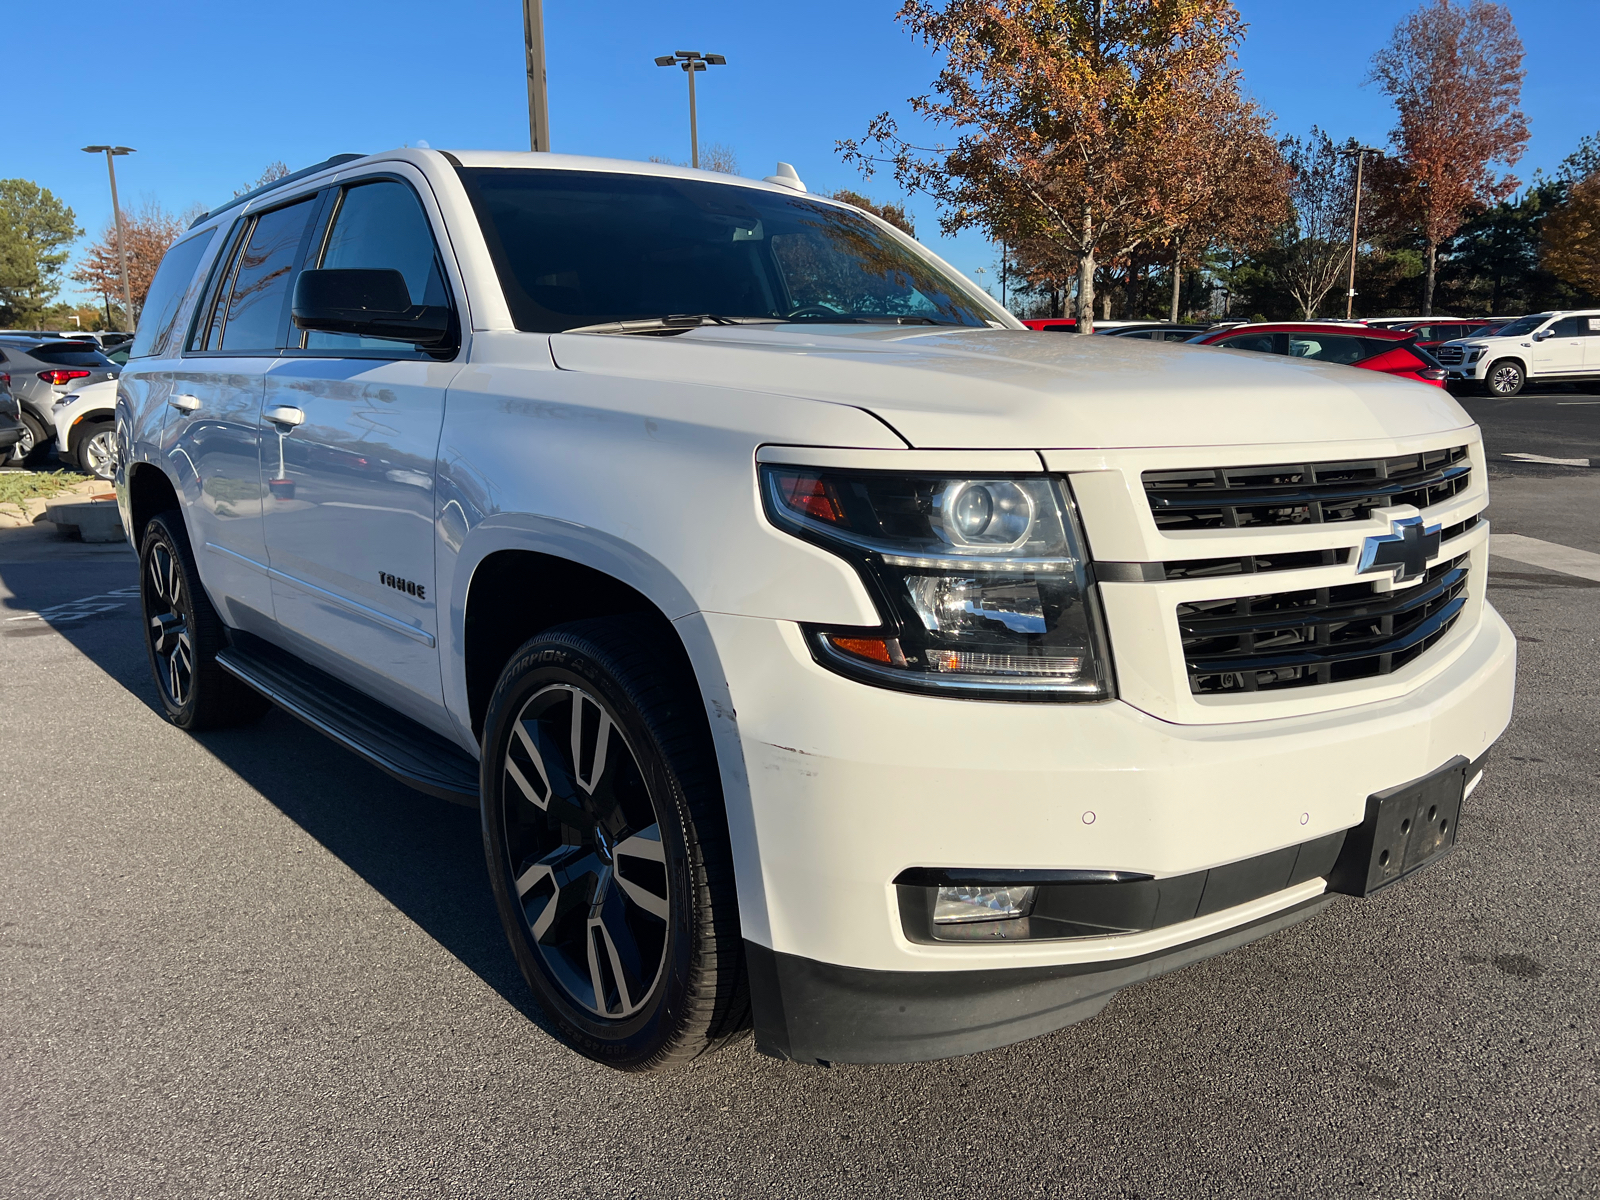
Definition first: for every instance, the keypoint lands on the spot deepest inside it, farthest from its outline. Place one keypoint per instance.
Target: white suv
(825, 652)
(1549, 345)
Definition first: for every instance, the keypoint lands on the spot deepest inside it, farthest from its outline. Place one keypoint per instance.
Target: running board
(394, 743)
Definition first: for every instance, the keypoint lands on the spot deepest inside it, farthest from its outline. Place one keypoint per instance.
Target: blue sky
(209, 93)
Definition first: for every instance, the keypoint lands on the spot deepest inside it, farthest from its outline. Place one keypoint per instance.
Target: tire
(1504, 379)
(30, 447)
(96, 451)
(183, 634)
(658, 978)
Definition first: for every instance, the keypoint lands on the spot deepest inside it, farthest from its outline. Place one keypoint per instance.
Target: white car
(86, 432)
(823, 651)
(1544, 346)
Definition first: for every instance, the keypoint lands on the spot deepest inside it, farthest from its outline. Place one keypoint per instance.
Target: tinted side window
(378, 226)
(1262, 342)
(254, 310)
(1569, 327)
(172, 283)
(208, 315)
(1326, 347)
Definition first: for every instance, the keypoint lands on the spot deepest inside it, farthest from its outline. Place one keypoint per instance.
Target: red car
(1435, 331)
(1394, 352)
(1054, 324)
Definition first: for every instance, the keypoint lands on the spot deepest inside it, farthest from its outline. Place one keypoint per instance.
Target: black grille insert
(1303, 493)
(1450, 356)
(1322, 635)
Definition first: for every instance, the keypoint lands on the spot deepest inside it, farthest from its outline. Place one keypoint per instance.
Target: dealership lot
(248, 964)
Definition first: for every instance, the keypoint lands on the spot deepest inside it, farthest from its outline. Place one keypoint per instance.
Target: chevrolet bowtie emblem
(1405, 550)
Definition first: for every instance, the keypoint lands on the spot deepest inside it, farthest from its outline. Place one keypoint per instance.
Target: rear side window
(1325, 347)
(245, 310)
(173, 281)
(381, 226)
(254, 313)
(71, 354)
(1261, 342)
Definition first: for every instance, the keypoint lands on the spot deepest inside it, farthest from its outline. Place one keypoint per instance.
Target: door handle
(286, 415)
(185, 403)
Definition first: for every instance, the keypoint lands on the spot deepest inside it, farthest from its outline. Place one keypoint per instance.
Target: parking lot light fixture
(691, 61)
(111, 153)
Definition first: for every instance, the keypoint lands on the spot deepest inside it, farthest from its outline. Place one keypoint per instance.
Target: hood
(1017, 389)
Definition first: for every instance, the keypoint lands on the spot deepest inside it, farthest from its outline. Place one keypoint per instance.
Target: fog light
(958, 905)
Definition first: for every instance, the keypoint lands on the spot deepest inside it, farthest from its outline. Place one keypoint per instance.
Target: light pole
(1361, 153)
(692, 61)
(538, 94)
(111, 152)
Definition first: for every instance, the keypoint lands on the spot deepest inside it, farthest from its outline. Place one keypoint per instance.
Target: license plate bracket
(1406, 828)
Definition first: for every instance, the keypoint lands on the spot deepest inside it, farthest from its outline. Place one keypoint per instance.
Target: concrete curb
(92, 520)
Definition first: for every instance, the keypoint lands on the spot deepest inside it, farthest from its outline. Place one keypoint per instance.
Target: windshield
(577, 248)
(1522, 326)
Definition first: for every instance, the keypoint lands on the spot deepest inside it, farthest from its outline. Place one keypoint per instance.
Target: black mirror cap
(367, 303)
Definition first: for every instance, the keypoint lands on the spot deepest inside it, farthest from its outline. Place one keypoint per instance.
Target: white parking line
(77, 610)
(1543, 458)
(1545, 554)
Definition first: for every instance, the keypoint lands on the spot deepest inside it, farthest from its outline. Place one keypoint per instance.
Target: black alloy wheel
(1505, 379)
(183, 634)
(607, 846)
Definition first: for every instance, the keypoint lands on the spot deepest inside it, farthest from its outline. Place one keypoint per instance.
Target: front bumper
(814, 1012)
(844, 786)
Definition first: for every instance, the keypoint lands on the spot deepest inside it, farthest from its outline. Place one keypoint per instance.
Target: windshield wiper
(673, 323)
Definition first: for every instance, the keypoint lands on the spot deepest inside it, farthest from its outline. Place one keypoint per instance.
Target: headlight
(1475, 355)
(64, 401)
(981, 581)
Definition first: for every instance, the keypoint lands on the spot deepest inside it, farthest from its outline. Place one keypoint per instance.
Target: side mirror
(375, 304)
(1544, 333)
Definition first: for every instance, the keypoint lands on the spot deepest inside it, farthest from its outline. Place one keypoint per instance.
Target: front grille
(1322, 635)
(1450, 356)
(1303, 493)
(1253, 564)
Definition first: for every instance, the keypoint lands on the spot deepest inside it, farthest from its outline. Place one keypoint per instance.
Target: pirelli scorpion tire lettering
(607, 845)
(183, 634)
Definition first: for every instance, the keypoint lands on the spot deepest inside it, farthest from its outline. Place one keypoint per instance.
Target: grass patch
(17, 486)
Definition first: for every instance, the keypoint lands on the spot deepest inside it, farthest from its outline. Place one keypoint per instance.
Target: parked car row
(43, 370)
(1499, 355)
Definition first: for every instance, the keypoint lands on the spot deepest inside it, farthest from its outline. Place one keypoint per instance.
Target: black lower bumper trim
(815, 1012)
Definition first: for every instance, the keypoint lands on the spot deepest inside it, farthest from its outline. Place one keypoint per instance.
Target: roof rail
(336, 160)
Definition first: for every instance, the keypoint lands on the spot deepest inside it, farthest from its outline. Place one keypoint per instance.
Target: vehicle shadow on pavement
(424, 856)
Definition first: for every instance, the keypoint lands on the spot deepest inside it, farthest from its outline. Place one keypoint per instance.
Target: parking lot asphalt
(247, 964)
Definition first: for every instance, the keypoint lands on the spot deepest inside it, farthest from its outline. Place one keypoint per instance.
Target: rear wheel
(607, 845)
(1505, 379)
(30, 446)
(183, 634)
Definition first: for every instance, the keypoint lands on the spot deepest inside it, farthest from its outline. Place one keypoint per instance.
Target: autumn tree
(150, 232)
(1572, 237)
(274, 171)
(1084, 126)
(718, 157)
(1240, 202)
(895, 214)
(1455, 75)
(35, 231)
